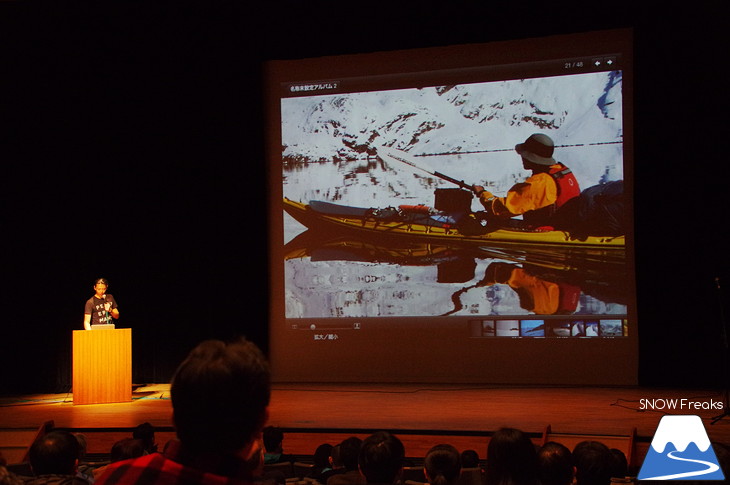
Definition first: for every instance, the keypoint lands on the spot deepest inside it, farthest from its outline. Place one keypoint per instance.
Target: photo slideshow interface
(455, 214)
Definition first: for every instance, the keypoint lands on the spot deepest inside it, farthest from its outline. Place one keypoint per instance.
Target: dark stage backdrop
(132, 148)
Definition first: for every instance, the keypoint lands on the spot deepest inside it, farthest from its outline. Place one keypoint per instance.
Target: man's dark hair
(273, 438)
(350, 452)
(381, 457)
(555, 464)
(125, 449)
(511, 458)
(322, 455)
(220, 395)
(593, 462)
(469, 459)
(55, 453)
(146, 433)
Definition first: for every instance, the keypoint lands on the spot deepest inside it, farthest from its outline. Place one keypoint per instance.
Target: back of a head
(146, 433)
(350, 452)
(511, 459)
(55, 453)
(555, 463)
(469, 459)
(126, 448)
(381, 457)
(273, 438)
(594, 463)
(620, 464)
(322, 455)
(220, 394)
(442, 465)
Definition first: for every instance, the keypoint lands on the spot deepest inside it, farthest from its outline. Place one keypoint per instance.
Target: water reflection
(350, 277)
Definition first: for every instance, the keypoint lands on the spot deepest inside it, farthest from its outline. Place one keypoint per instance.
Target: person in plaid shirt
(220, 396)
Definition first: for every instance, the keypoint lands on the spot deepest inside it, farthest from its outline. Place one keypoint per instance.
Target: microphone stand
(726, 355)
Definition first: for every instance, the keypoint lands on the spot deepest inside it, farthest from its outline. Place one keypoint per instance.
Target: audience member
(54, 458)
(594, 463)
(470, 459)
(555, 464)
(442, 465)
(381, 458)
(146, 433)
(125, 449)
(83, 470)
(274, 444)
(220, 396)
(620, 464)
(511, 459)
(335, 465)
(322, 462)
(349, 456)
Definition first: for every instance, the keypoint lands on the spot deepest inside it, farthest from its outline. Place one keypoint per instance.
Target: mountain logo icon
(681, 450)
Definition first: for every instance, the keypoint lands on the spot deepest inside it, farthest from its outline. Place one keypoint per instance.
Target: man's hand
(477, 189)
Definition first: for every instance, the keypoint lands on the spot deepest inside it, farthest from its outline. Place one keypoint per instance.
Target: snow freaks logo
(680, 450)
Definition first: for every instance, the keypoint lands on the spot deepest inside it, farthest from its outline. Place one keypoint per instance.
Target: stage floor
(421, 414)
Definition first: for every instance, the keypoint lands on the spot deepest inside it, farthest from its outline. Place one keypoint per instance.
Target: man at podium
(100, 308)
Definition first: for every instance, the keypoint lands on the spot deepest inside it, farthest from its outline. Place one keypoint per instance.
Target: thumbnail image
(481, 328)
(612, 328)
(508, 328)
(557, 328)
(532, 328)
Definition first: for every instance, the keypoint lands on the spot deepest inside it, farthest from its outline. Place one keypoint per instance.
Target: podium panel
(102, 366)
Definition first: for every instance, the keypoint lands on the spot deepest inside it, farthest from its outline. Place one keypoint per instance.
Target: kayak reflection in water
(536, 294)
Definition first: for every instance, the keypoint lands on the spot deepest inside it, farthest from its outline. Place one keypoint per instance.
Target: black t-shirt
(96, 307)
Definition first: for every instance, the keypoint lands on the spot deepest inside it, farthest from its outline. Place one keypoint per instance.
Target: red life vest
(566, 182)
(568, 188)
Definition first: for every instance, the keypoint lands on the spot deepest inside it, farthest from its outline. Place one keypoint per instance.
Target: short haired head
(620, 463)
(442, 465)
(555, 464)
(381, 458)
(273, 439)
(146, 433)
(55, 453)
(349, 452)
(511, 458)
(594, 463)
(126, 448)
(220, 396)
(469, 459)
(101, 281)
(322, 455)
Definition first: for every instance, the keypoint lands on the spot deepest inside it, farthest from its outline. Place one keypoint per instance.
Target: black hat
(538, 148)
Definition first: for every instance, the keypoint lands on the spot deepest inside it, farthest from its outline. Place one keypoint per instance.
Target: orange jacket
(539, 191)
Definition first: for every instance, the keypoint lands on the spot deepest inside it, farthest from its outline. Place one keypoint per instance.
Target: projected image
(532, 328)
(389, 213)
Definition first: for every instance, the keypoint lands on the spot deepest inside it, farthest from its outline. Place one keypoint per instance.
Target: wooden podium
(102, 366)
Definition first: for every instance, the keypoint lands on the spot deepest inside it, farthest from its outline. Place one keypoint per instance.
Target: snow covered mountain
(467, 131)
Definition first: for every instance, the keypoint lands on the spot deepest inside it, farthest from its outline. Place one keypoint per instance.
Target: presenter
(100, 308)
